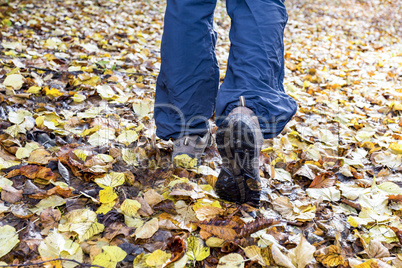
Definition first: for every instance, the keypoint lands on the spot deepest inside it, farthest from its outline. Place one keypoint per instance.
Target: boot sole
(239, 143)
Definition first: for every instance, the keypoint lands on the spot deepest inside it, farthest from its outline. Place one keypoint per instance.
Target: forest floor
(85, 181)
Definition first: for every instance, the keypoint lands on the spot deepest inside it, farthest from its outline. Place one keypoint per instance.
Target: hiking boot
(239, 141)
(187, 150)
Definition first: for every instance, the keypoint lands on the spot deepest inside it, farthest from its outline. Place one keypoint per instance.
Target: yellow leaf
(140, 261)
(306, 84)
(367, 264)
(104, 157)
(24, 152)
(206, 202)
(254, 254)
(185, 161)
(206, 209)
(107, 195)
(51, 201)
(196, 249)
(110, 256)
(148, 229)
(81, 154)
(133, 222)
(34, 90)
(81, 221)
(214, 242)
(127, 136)
(14, 80)
(53, 93)
(55, 245)
(158, 258)
(105, 208)
(39, 121)
(129, 156)
(329, 256)
(130, 207)
(113, 179)
(396, 148)
(78, 98)
(8, 239)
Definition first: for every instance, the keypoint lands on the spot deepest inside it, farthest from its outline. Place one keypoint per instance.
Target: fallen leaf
(82, 222)
(254, 254)
(8, 239)
(231, 260)
(113, 179)
(107, 195)
(130, 207)
(329, 256)
(303, 254)
(10, 194)
(147, 230)
(152, 197)
(55, 245)
(49, 202)
(323, 180)
(14, 80)
(376, 249)
(109, 257)
(196, 250)
(328, 194)
(158, 258)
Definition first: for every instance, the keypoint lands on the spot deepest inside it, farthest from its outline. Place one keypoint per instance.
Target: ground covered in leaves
(84, 179)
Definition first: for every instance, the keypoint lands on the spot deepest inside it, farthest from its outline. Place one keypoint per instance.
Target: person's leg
(256, 64)
(189, 77)
(255, 74)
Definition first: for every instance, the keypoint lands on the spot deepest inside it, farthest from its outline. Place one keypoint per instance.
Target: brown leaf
(63, 192)
(115, 229)
(152, 197)
(234, 228)
(145, 209)
(398, 233)
(10, 194)
(50, 217)
(34, 172)
(166, 206)
(323, 180)
(377, 250)
(395, 198)
(177, 247)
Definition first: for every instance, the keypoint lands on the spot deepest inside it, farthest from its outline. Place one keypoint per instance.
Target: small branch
(351, 204)
(58, 259)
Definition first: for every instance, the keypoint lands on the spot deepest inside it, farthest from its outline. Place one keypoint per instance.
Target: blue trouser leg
(256, 64)
(189, 77)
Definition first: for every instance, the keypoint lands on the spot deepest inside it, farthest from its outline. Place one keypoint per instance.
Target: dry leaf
(147, 230)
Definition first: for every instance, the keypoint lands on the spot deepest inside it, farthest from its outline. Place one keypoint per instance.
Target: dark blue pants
(187, 86)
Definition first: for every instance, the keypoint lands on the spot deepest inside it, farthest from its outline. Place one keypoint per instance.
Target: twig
(351, 204)
(57, 259)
